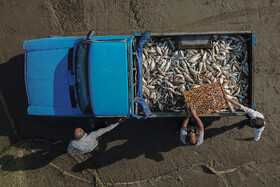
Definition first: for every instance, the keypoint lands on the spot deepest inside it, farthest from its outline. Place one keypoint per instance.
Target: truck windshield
(81, 72)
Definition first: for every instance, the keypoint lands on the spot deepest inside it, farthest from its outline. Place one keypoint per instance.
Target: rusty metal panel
(195, 41)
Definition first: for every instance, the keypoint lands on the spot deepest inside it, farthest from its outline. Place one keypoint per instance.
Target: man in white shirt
(84, 142)
(188, 132)
(256, 119)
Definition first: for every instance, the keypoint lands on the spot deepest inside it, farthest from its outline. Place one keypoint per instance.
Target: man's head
(79, 133)
(191, 138)
(257, 122)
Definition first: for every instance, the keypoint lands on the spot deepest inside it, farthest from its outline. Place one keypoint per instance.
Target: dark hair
(188, 141)
(258, 122)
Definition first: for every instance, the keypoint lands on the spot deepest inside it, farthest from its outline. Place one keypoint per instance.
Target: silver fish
(168, 73)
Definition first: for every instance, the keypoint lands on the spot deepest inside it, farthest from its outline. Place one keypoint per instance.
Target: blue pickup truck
(93, 75)
(80, 76)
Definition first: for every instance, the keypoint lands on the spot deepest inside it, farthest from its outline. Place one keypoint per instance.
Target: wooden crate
(207, 99)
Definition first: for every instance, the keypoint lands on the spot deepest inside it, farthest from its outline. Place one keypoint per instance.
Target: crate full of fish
(174, 63)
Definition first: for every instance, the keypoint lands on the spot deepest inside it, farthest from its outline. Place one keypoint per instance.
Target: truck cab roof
(109, 75)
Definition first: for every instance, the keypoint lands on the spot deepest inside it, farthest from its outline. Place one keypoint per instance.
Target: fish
(145, 51)
(209, 68)
(150, 87)
(200, 65)
(158, 50)
(194, 58)
(153, 64)
(193, 86)
(216, 66)
(167, 66)
(146, 91)
(160, 71)
(171, 45)
(169, 83)
(204, 56)
(188, 78)
(162, 65)
(220, 58)
(151, 50)
(166, 51)
(169, 72)
(185, 67)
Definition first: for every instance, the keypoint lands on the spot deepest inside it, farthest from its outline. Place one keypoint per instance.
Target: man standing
(84, 142)
(256, 120)
(190, 133)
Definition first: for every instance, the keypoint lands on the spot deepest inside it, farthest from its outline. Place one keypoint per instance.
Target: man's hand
(193, 110)
(121, 120)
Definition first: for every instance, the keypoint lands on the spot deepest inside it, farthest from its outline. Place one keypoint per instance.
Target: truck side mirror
(89, 36)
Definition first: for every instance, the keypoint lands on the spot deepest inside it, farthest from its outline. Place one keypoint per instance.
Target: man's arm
(186, 121)
(200, 126)
(252, 113)
(102, 131)
(70, 147)
(198, 121)
(234, 102)
(183, 131)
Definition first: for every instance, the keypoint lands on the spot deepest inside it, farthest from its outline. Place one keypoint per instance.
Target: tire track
(60, 169)
(235, 14)
(193, 167)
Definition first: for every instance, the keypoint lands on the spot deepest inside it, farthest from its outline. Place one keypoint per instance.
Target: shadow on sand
(13, 87)
(31, 154)
(149, 137)
(211, 132)
(142, 137)
(60, 129)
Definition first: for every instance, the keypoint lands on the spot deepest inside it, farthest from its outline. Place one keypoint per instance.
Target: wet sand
(140, 152)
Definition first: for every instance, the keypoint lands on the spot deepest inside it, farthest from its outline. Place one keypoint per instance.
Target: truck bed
(198, 41)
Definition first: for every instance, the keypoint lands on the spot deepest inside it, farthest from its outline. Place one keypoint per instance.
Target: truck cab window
(81, 74)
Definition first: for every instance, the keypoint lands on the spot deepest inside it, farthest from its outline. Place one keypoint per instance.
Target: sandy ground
(138, 152)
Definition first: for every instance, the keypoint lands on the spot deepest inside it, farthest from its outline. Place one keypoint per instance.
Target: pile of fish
(168, 73)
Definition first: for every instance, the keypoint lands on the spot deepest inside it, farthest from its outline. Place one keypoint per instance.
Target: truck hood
(47, 78)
